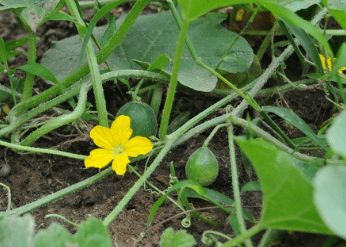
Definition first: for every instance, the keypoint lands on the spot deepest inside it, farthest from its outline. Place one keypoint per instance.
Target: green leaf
(250, 186)
(34, 10)
(336, 135)
(293, 19)
(54, 236)
(295, 5)
(289, 116)
(156, 34)
(17, 231)
(99, 15)
(181, 238)
(338, 10)
(192, 189)
(93, 233)
(287, 192)
(40, 71)
(308, 45)
(330, 199)
(192, 9)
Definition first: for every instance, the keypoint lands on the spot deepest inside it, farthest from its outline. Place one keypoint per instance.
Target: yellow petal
(102, 137)
(323, 61)
(119, 163)
(342, 71)
(138, 145)
(121, 129)
(98, 158)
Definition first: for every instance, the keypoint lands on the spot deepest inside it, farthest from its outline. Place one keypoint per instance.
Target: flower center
(118, 149)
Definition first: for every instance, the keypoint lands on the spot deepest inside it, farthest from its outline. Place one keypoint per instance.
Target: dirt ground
(34, 176)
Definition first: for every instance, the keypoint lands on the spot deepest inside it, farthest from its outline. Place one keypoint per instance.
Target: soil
(35, 176)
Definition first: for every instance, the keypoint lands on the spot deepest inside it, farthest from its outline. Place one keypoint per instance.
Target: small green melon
(143, 118)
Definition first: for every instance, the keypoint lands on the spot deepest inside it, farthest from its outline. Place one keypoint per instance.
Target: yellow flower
(116, 145)
(327, 64)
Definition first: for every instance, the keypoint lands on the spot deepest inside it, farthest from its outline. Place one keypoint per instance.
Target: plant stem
(173, 82)
(93, 66)
(60, 121)
(212, 134)
(41, 150)
(75, 76)
(74, 90)
(235, 184)
(134, 189)
(242, 237)
(59, 194)
(29, 79)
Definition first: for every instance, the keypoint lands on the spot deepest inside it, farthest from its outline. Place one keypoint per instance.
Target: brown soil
(35, 176)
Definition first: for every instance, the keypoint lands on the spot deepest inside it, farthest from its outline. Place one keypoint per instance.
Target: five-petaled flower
(116, 144)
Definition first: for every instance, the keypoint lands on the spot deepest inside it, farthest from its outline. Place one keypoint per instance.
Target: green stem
(29, 79)
(60, 121)
(59, 194)
(166, 113)
(213, 133)
(244, 236)
(75, 76)
(74, 90)
(235, 184)
(266, 136)
(139, 183)
(41, 150)
(331, 32)
(93, 66)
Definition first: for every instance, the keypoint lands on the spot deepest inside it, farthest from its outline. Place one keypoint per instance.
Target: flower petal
(119, 163)
(138, 145)
(121, 129)
(102, 137)
(98, 158)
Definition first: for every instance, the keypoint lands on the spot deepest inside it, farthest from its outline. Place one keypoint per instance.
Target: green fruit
(202, 166)
(143, 118)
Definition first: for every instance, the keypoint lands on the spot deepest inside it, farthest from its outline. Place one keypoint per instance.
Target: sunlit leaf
(287, 192)
(330, 199)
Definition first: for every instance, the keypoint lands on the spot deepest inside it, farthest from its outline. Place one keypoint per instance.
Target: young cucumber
(202, 166)
(143, 118)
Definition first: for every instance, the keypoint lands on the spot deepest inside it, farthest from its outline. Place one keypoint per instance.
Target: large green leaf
(330, 197)
(93, 233)
(34, 11)
(336, 135)
(20, 232)
(17, 232)
(54, 236)
(156, 34)
(287, 192)
(181, 238)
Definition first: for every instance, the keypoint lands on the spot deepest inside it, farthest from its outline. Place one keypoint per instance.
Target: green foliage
(11, 227)
(20, 232)
(181, 238)
(287, 192)
(292, 118)
(330, 199)
(336, 135)
(338, 9)
(156, 34)
(33, 11)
